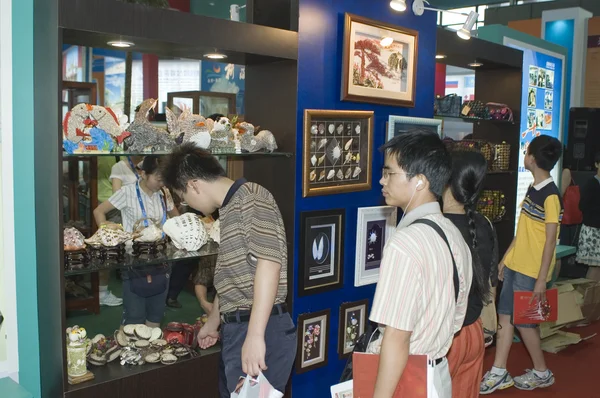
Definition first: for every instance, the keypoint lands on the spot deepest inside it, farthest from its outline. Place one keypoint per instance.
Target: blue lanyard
(144, 214)
(133, 168)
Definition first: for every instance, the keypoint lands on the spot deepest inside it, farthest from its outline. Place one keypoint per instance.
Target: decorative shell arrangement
(186, 231)
(149, 234)
(109, 235)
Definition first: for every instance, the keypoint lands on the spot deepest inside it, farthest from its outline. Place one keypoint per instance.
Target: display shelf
(501, 172)
(171, 255)
(114, 372)
(475, 120)
(165, 153)
(173, 33)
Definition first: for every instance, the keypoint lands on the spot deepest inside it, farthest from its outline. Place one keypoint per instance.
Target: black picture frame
(359, 307)
(321, 251)
(307, 358)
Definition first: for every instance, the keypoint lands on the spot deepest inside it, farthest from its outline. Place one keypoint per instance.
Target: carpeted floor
(575, 368)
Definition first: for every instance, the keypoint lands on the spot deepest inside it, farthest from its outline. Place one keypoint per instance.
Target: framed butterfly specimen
(375, 226)
(321, 243)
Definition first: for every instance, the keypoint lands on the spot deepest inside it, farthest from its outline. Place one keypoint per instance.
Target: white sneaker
(110, 300)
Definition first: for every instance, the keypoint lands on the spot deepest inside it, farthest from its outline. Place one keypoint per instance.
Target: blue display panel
(541, 106)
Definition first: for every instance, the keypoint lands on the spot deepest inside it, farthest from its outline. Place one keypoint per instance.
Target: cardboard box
(560, 341)
(587, 298)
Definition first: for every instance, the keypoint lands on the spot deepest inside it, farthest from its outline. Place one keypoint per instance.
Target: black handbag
(449, 105)
(150, 281)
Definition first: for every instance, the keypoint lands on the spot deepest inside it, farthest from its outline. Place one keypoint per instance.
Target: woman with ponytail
(460, 198)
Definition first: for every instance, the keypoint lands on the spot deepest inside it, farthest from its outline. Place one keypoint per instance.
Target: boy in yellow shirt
(527, 266)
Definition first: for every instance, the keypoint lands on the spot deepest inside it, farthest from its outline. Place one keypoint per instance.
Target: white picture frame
(406, 123)
(378, 220)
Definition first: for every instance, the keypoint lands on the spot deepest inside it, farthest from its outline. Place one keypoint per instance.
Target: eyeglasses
(386, 173)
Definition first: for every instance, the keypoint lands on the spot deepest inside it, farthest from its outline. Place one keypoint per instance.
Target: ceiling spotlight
(386, 41)
(215, 56)
(465, 32)
(121, 43)
(475, 64)
(398, 5)
(440, 56)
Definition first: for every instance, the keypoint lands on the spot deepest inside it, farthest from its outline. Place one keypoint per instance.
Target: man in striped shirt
(415, 298)
(256, 330)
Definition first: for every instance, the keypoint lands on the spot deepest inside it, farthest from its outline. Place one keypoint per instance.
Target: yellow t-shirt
(542, 205)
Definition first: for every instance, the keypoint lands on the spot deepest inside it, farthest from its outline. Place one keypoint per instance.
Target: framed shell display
(337, 151)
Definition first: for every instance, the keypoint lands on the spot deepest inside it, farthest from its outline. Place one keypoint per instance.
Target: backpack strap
(443, 236)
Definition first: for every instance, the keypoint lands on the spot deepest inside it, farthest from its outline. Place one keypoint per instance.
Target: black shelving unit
(268, 48)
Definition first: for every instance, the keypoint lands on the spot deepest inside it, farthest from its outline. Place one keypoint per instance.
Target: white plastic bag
(256, 388)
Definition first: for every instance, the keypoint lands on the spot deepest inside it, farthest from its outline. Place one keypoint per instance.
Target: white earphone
(419, 183)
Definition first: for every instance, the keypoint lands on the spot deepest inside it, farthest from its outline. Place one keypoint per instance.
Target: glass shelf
(475, 120)
(171, 255)
(165, 153)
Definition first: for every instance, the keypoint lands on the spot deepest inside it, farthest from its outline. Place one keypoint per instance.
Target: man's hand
(208, 336)
(539, 291)
(253, 355)
(501, 270)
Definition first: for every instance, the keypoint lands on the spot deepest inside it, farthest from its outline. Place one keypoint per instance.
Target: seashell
(331, 128)
(142, 343)
(356, 173)
(313, 160)
(168, 359)
(152, 233)
(159, 343)
(313, 146)
(201, 140)
(143, 332)
(121, 338)
(349, 129)
(340, 174)
(97, 338)
(322, 144)
(348, 173)
(73, 239)
(334, 151)
(357, 129)
(152, 358)
(321, 128)
(167, 351)
(109, 236)
(340, 128)
(313, 129)
(348, 144)
(358, 158)
(97, 360)
(322, 175)
(348, 157)
(321, 160)
(155, 335)
(113, 354)
(313, 175)
(181, 352)
(330, 174)
(129, 330)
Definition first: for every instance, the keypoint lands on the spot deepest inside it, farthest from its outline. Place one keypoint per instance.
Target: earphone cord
(408, 206)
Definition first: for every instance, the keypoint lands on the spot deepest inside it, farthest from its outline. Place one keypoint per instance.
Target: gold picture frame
(338, 149)
(377, 72)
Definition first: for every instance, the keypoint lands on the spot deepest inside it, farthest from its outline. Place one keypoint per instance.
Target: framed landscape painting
(379, 62)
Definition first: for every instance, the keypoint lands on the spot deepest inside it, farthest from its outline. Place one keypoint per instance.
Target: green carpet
(109, 318)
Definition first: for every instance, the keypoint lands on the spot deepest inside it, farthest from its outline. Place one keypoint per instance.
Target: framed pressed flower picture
(313, 340)
(353, 319)
(379, 62)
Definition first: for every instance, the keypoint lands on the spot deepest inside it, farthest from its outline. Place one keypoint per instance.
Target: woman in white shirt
(144, 291)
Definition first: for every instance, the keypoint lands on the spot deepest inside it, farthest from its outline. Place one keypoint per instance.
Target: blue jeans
(137, 309)
(281, 345)
(514, 281)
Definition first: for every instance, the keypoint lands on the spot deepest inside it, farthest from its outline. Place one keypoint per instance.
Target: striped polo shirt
(542, 205)
(415, 292)
(251, 228)
(126, 200)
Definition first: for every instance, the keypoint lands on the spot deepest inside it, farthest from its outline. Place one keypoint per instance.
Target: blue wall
(319, 84)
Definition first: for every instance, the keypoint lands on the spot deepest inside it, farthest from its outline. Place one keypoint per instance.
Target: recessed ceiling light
(398, 5)
(121, 43)
(475, 64)
(215, 56)
(440, 56)
(386, 41)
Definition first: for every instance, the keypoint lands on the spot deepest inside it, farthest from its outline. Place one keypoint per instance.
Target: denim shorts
(138, 310)
(514, 281)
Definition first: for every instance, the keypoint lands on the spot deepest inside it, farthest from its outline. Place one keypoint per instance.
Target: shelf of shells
(94, 130)
(181, 238)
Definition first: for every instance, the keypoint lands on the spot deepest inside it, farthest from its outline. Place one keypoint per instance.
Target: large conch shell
(186, 231)
(213, 228)
(149, 234)
(73, 239)
(109, 236)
